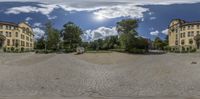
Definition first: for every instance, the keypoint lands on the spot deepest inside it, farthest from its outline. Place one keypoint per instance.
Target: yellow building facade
(16, 37)
(181, 35)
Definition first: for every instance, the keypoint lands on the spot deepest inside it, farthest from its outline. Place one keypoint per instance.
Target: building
(16, 37)
(181, 35)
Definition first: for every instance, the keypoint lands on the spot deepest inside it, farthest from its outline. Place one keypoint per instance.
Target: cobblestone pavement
(123, 75)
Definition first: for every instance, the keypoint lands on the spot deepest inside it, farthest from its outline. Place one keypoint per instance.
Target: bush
(16, 50)
(12, 49)
(4, 49)
(137, 51)
(68, 50)
(22, 49)
(193, 50)
(43, 51)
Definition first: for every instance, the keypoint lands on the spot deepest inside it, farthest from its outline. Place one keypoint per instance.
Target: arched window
(190, 41)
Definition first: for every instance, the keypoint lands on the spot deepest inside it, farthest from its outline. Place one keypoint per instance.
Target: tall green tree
(53, 37)
(40, 43)
(127, 30)
(71, 36)
(158, 43)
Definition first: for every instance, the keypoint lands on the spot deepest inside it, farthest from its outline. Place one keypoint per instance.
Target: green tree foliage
(40, 43)
(111, 42)
(159, 44)
(129, 38)
(71, 36)
(53, 37)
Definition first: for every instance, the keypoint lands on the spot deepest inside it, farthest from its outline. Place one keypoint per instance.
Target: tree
(197, 40)
(126, 29)
(71, 36)
(40, 43)
(53, 37)
(158, 43)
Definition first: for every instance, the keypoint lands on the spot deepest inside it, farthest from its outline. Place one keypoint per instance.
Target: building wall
(181, 34)
(20, 36)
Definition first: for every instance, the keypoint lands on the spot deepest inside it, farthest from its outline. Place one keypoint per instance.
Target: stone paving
(100, 75)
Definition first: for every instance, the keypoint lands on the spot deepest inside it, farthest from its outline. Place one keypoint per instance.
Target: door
(1, 45)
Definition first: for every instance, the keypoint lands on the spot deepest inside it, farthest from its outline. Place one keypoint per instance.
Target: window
(191, 41)
(27, 38)
(176, 43)
(183, 28)
(6, 27)
(7, 34)
(23, 30)
(198, 26)
(9, 27)
(197, 32)
(22, 43)
(13, 42)
(16, 34)
(27, 44)
(22, 36)
(182, 42)
(184, 34)
(10, 34)
(188, 34)
(1, 32)
(188, 27)
(176, 30)
(8, 42)
(192, 27)
(192, 33)
(1, 26)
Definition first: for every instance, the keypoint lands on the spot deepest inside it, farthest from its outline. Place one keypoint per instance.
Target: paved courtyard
(99, 75)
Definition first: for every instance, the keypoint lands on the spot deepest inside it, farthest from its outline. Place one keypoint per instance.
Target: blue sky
(98, 18)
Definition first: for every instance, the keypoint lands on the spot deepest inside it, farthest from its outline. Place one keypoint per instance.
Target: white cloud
(42, 8)
(37, 24)
(38, 32)
(105, 8)
(99, 33)
(165, 32)
(122, 11)
(138, 2)
(155, 33)
(28, 19)
(152, 18)
(51, 17)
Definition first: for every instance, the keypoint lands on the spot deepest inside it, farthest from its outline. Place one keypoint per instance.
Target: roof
(184, 23)
(25, 23)
(8, 23)
(191, 23)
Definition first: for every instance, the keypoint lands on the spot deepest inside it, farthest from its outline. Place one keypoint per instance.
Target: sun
(99, 18)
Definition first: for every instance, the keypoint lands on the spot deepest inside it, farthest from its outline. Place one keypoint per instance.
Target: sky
(98, 18)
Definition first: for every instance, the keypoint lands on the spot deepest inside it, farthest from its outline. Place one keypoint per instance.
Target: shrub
(16, 50)
(67, 50)
(12, 49)
(4, 49)
(193, 50)
(137, 51)
(22, 49)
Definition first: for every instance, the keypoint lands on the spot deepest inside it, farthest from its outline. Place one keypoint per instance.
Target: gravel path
(97, 75)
